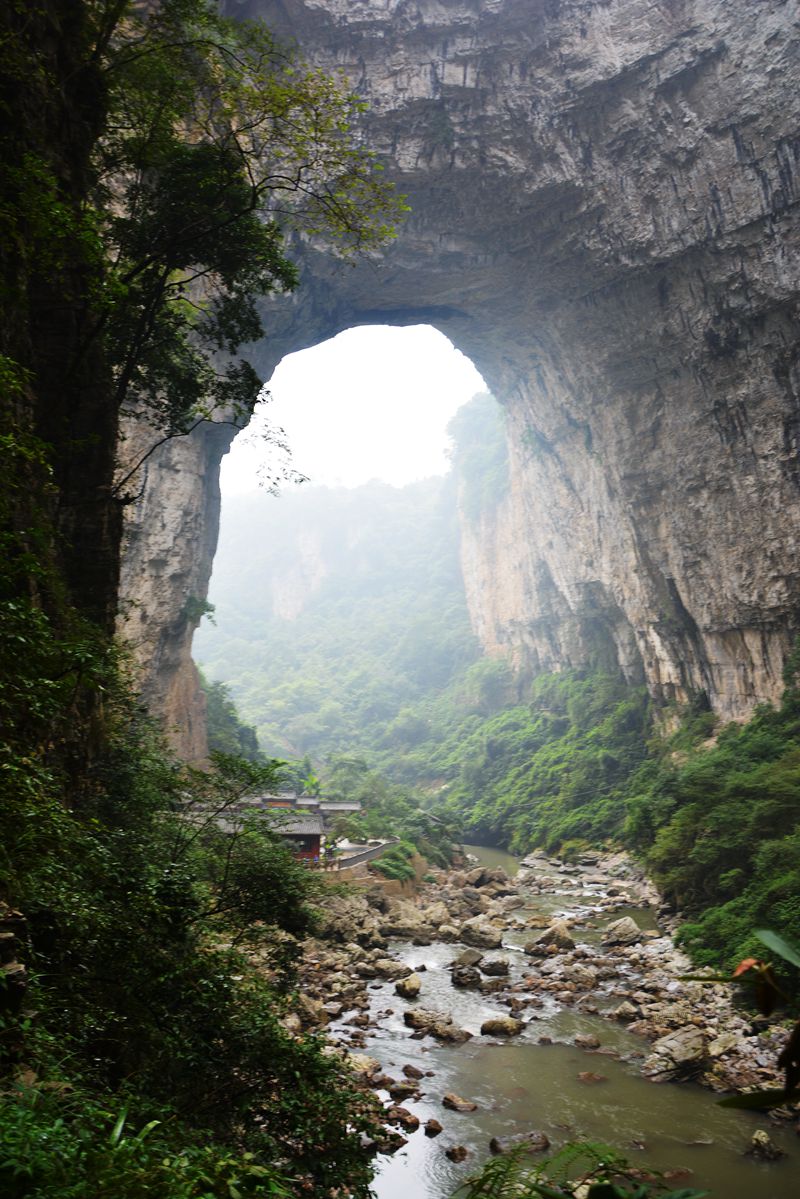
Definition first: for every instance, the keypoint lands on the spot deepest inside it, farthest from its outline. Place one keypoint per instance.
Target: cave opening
(372, 403)
(363, 418)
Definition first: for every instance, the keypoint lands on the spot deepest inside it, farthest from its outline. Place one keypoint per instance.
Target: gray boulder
(388, 968)
(470, 957)
(623, 932)
(480, 934)
(501, 1026)
(557, 935)
(466, 976)
(455, 1103)
(495, 966)
(409, 987)
(534, 1142)
(677, 1055)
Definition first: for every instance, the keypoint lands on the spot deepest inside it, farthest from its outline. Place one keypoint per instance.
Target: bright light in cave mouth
(372, 403)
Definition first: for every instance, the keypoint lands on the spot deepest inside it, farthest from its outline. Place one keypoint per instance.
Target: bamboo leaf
(777, 944)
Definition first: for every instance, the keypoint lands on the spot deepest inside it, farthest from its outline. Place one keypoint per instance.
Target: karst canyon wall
(605, 219)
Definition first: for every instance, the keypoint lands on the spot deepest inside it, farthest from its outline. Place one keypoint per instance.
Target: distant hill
(336, 609)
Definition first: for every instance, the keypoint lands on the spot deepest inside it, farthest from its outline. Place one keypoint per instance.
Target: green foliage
(778, 945)
(381, 625)
(158, 155)
(720, 828)
(70, 1146)
(395, 862)
(554, 771)
(582, 1169)
(479, 455)
(227, 734)
(217, 144)
(135, 901)
(388, 810)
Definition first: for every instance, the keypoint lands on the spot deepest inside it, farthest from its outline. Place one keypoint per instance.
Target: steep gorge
(604, 218)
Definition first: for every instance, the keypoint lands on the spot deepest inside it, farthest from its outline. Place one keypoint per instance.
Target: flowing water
(523, 1085)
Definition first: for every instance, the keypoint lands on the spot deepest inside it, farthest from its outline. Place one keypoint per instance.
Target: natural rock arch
(604, 219)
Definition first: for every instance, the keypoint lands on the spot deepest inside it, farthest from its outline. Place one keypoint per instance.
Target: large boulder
(364, 1065)
(466, 976)
(449, 1032)
(470, 957)
(311, 1011)
(501, 1026)
(457, 1153)
(389, 968)
(438, 1025)
(435, 914)
(403, 1117)
(623, 932)
(556, 935)
(480, 934)
(409, 987)
(347, 918)
(455, 1103)
(584, 977)
(423, 1018)
(679, 1054)
(763, 1148)
(495, 966)
(447, 932)
(534, 1142)
(477, 877)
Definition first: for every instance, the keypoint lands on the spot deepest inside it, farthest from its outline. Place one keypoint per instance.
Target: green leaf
(116, 1132)
(757, 1101)
(777, 944)
(148, 1128)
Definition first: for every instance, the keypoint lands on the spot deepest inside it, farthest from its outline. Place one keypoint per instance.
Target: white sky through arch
(372, 403)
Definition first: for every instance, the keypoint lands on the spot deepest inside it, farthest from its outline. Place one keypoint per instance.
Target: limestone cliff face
(171, 529)
(605, 219)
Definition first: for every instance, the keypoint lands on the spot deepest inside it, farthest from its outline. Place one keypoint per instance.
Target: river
(522, 1085)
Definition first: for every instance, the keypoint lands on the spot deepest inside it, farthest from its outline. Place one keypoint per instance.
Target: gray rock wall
(605, 219)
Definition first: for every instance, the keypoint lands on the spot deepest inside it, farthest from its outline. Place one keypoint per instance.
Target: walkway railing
(365, 855)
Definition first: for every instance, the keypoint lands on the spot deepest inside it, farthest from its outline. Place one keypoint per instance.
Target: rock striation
(605, 219)
(171, 528)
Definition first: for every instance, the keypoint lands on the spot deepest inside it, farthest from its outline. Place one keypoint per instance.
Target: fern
(586, 1168)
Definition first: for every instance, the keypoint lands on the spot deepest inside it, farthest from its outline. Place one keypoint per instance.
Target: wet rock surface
(600, 957)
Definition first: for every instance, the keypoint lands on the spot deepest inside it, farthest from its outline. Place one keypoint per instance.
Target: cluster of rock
(580, 958)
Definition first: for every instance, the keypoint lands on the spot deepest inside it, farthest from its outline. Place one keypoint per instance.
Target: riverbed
(528, 1083)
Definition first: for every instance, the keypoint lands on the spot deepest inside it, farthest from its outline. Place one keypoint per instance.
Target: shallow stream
(523, 1085)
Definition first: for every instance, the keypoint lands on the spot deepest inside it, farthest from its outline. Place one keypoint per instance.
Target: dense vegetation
(372, 660)
(227, 734)
(162, 958)
(334, 611)
(155, 159)
(554, 771)
(389, 810)
(719, 825)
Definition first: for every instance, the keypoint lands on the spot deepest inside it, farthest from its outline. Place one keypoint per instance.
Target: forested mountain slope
(335, 611)
(342, 633)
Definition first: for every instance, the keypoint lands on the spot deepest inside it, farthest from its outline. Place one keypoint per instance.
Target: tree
(218, 144)
(226, 732)
(156, 159)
